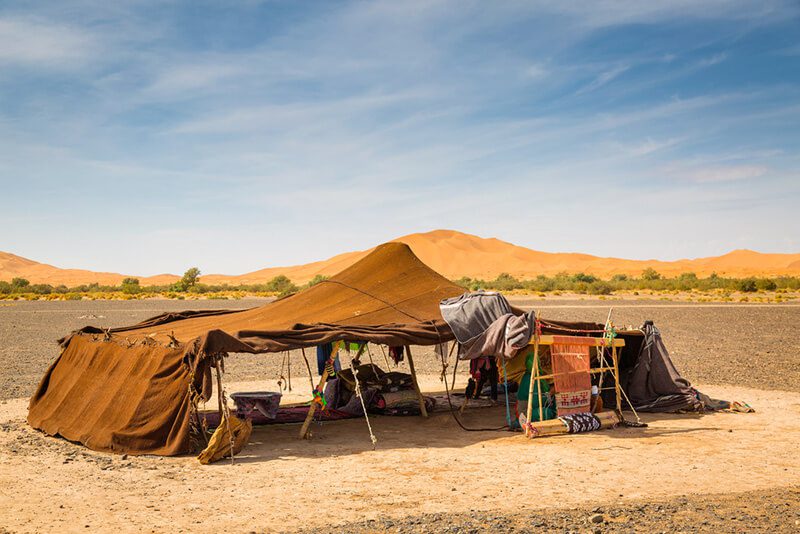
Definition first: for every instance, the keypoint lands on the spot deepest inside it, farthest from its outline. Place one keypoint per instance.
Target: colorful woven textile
(572, 381)
(580, 422)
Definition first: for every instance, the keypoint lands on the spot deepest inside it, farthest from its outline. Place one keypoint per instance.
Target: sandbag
(219, 446)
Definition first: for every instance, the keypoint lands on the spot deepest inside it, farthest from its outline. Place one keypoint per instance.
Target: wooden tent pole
(539, 388)
(324, 378)
(534, 372)
(617, 388)
(423, 410)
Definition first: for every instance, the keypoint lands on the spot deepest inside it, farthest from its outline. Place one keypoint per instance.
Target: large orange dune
(454, 254)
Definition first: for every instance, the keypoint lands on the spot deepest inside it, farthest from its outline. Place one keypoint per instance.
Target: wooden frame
(547, 340)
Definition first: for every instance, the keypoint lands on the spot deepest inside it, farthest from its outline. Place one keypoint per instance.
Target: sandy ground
(419, 467)
(716, 473)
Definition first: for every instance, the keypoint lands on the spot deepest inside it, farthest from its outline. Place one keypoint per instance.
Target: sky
(148, 137)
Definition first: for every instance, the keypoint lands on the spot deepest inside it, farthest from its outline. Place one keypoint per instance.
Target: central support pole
(534, 374)
(324, 378)
(423, 410)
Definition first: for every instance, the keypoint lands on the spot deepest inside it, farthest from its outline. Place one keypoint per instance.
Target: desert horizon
(449, 252)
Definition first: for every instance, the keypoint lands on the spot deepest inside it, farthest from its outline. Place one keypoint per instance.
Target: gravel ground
(742, 344)
(764, 511)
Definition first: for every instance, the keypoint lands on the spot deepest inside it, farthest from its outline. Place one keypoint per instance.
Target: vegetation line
(650, 281)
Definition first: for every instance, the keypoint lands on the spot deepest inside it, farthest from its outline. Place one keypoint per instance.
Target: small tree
(19, 283)
(650, 274)
(281, 285)
(190, 279)
(130, 285)
(583, 277)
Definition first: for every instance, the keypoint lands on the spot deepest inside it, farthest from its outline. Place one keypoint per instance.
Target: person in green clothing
(548, 410)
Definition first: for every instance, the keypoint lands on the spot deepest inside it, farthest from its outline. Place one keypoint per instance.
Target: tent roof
(388, 291)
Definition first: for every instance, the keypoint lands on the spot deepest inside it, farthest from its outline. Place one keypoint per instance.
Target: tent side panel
(114, 398)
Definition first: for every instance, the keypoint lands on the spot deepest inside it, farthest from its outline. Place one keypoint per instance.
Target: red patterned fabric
(573, 383)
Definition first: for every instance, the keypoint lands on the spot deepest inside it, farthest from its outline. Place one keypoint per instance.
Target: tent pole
(455, 367)
(313, 408)
(617, 388)
(534, 373)
(422, 409)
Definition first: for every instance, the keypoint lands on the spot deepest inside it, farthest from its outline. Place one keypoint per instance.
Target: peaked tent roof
(135, 389)
(389, 296)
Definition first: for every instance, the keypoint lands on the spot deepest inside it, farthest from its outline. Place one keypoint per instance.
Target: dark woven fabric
(580, 422)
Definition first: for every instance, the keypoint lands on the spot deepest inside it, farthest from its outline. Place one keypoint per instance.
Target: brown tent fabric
(115, 398)
(390, 286)
(131, 389)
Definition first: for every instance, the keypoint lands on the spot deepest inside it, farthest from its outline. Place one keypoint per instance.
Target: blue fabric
(323, 353)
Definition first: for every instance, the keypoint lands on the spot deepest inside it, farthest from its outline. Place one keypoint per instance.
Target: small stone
(597, 518)
(125, 457)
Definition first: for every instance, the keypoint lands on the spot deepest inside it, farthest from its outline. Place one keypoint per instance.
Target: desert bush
(281, 285)
(316, 280)
(600, 288)
(130, 286)
(747, 285)
(19, 283)
(765, 284)
(650, 274)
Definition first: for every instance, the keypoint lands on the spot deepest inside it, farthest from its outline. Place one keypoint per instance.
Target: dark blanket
(654, 384)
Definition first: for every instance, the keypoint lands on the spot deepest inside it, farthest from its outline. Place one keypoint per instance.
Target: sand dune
(454, 254)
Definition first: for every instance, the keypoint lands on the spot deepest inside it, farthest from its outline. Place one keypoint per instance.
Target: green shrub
(600, 288)
(747, 285)
(650, 274)
(765, 284)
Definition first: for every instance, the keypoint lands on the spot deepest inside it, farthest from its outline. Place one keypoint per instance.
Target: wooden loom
(548, 427)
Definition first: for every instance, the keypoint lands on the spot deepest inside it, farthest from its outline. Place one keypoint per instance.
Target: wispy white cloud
(733, 173)
(713, 60)
(603, 78)
(31, 42)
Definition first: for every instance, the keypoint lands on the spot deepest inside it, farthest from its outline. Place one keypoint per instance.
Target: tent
(136, 389)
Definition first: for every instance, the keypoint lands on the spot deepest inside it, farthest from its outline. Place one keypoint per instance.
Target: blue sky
(146, 137)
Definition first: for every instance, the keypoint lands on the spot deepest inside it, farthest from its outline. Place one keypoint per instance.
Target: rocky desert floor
(720, 472)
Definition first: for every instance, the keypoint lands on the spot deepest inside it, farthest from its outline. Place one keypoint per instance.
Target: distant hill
(453, 254)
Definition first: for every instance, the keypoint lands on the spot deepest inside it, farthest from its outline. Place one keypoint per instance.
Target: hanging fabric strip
(573, 383)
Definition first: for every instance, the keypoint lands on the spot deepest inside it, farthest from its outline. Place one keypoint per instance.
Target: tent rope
(372, 296)
(505, 386)
(363, 406)
(310, 377)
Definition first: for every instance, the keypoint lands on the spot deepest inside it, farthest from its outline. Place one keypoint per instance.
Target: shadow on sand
(281, 442)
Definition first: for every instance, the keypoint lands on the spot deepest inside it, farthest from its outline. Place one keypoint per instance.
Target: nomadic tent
(136, 389)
